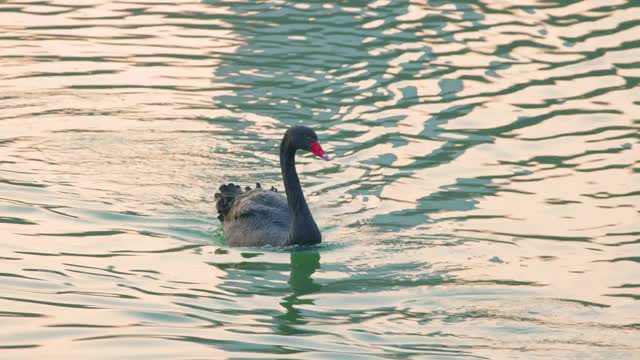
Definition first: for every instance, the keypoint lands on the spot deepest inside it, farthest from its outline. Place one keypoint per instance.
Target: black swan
(258, 217)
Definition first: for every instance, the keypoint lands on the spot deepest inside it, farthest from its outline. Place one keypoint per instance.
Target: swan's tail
(227, 195)
(225, 198)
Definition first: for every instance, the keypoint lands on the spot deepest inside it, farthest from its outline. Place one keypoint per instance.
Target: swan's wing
(228, 195)
(258, 217)
(260, 205)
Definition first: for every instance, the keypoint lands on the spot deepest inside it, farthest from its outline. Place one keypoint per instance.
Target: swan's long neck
(302, 229)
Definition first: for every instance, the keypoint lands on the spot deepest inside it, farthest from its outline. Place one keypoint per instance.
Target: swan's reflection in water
(278, 287)
(304, 264)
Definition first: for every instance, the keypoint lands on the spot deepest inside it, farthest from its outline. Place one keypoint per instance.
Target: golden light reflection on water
(482, 201)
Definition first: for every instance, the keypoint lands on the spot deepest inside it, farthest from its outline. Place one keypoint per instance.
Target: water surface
(483, 200)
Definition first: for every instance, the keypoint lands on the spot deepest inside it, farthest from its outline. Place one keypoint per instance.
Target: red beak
(317, 149)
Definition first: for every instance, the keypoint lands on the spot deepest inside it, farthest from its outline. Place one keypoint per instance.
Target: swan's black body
(257, 217)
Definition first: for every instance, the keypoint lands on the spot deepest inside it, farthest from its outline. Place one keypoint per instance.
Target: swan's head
(304, 138)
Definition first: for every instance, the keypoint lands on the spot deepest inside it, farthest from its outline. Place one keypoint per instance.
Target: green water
(482, 203)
